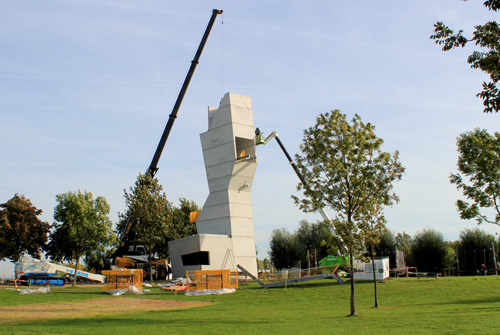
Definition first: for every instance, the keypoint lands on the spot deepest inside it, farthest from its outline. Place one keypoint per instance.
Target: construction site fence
(211, 280)
(122, 279)
(293, 273)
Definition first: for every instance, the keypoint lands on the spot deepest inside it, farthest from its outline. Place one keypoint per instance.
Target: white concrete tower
(225, 224)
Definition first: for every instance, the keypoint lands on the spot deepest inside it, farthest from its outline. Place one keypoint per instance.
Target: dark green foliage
(156, 220)
(98, 260)
(21, 231)
(386, 247)
(475, 248)
(284, 249)
(487, 37)
(310, 237)
(181, 218)
(150, 213)
(181, 226)
(291, 249)
(429, 251)
(478, 177)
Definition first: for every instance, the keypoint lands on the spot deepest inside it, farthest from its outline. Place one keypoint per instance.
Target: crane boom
(153, 167)
(274, 135)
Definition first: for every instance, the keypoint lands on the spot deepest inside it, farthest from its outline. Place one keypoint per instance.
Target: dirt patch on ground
(90, 308)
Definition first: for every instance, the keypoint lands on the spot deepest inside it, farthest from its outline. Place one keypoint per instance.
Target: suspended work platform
(287, 278)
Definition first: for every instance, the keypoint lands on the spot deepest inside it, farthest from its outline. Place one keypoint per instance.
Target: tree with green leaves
(475, 247)
(479, 176)
(99, 259)
(349, 173)
(379, 241)
(487, 58)
(81, 226)
(264, 265)
(429, 251)
(181, 226)
(284, 249)
(151, 213)
(21, 230)
(310, 237)
(387, 246)
(181, 218)
(302, 247)
(404, 242)
(451, 256)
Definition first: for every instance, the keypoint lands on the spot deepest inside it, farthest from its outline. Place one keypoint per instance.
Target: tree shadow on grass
(304, 285)
(174, 320)
(478, 301)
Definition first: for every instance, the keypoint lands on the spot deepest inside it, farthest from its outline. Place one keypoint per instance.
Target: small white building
(364, 270)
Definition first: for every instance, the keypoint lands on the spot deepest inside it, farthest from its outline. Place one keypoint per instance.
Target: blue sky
(86, 88)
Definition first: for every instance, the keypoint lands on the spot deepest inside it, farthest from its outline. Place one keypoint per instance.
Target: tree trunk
(353, 295)
(76, 270)
(374, 276)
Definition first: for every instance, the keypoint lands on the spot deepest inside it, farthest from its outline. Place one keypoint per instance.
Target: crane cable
(222, 56)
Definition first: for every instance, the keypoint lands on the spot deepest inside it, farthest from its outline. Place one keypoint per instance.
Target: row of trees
(303, 248)
(82, 228)
(427, 250)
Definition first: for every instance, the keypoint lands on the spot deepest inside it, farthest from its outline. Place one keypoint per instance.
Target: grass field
(450, 305)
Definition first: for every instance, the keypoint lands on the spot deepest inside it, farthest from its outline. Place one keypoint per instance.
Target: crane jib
(153, 167)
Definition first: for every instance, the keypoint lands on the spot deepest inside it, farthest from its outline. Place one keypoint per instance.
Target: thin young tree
(349, 173)
(373, 237)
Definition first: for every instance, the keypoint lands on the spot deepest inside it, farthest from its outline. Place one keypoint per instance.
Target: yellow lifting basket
(193, 216)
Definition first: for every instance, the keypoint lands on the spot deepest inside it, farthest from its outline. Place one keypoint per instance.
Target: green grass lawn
(451, 305)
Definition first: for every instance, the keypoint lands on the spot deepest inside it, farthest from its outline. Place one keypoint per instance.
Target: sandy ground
(91, 307)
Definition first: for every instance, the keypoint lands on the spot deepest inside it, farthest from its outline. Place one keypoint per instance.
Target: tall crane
(153, 167)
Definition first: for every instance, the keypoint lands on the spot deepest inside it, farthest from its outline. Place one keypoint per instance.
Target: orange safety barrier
(211, 279)
(122, 278)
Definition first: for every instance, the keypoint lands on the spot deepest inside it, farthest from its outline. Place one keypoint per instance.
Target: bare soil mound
(91, 307)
